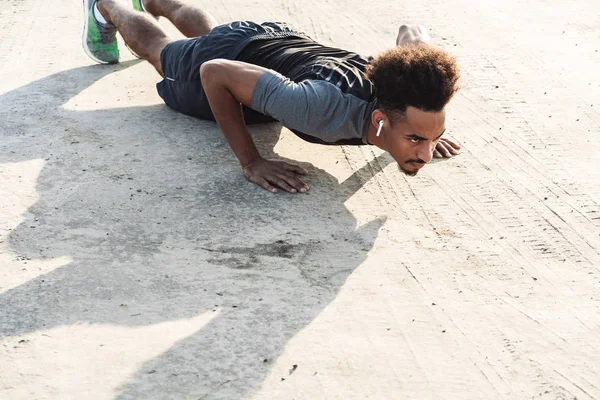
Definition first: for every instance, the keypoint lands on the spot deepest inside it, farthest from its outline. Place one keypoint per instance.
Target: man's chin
(409, 172)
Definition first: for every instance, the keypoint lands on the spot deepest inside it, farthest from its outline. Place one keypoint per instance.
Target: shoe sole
(86, 13)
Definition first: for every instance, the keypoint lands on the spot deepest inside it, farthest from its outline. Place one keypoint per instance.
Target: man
(245, 72)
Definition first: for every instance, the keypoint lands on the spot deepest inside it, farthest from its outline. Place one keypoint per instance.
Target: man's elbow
(212, 71)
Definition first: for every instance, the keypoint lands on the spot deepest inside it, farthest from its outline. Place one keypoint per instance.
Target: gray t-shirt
(313, 107)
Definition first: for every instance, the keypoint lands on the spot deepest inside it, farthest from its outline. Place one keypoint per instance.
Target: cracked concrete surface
(136, 262)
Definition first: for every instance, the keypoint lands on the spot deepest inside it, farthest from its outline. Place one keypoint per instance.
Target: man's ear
(379, 120)
(379, 115)
(389, 119)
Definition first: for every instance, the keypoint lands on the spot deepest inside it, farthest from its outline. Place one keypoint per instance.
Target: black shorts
(181, 88)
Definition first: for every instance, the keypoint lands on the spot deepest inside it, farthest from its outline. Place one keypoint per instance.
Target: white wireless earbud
(380, 126)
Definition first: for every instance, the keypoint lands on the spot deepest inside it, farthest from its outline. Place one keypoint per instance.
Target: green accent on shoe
(138, 5)
(99, 40)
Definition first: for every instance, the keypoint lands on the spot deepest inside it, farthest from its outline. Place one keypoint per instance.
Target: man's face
(412, 139)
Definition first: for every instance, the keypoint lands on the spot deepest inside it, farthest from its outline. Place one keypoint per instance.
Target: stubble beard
(407, 172)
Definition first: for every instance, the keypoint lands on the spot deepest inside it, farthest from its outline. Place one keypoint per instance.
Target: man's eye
(414, 140)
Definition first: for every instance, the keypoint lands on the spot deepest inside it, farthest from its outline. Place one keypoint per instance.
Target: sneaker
(138, 5)
(99, 39)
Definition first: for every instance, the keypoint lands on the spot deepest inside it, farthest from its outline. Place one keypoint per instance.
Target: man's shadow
(152, 209)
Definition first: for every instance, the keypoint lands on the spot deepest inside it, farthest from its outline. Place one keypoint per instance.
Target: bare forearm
(227, 110)
(229, 84)
(228, 114)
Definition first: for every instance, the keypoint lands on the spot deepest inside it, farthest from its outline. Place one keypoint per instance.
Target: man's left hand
(446, 148)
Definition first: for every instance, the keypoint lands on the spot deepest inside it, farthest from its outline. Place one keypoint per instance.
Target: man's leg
(140, 31)
(191, 21)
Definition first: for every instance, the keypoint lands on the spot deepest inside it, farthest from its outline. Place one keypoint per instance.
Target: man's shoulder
(348, 78)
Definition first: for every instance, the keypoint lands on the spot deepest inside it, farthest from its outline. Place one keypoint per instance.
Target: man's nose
(425, 151)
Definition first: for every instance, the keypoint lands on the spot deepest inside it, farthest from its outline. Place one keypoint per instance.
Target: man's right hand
(266, 173)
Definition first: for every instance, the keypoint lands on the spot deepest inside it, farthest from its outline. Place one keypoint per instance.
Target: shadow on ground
(152, 209)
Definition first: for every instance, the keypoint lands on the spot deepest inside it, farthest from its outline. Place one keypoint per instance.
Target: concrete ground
(136, 262)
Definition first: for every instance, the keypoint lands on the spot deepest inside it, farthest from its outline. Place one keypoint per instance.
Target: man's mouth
(416, 165)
